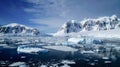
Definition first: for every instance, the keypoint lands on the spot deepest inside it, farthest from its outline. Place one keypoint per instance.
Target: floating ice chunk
(65, 65)
(18, 64)
(107, 62)
(85, 40)
(3, 44)
(66, 43)
(95, 60)
(117, 48)
(76, 40)
(105, 58)
(92, 63)
(87, 52)
(23, 56)
(31, 49)
(24, 42)
(67, 62)
(61, 48)
(43, 66)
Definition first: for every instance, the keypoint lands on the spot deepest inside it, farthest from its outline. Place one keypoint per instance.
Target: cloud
(49, 8)
(33, 1)
(48, 13)
(52, 24)
(30, 10)
(54, 12)
(48, 21)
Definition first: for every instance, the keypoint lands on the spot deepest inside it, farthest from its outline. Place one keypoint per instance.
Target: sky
(48, 15)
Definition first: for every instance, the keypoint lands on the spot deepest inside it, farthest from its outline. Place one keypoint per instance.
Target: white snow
(99, 27)
(24, 42)
(68, 62)
(61, 48)
(115, 33)
(92, 63)
(16, 24)
(19, 29)
(104, 34)
(117, 48)
(107, 62)
(75, 40)
(43, 66)
(3, 44)
(68, 27)
(60, 33)
(29, 49)
(87, 52)
(105, 57)
(65, 65)
(18, 64)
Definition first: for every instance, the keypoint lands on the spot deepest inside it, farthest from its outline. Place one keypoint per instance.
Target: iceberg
(68, 62)
(85, 40)
(87, 52)
(18, 64)
(107, 62)
(67, 44)
(61, 48)
(77, 40)
(105, 58)
(31, 49)
(65, 65)
(43, 66)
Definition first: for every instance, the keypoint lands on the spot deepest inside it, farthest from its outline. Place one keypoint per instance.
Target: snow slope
(115, 33)
(104, 34)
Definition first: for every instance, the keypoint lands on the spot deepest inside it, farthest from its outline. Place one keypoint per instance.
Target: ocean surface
(10, 55)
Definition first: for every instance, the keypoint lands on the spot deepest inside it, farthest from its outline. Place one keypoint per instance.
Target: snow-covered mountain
(102, 23)
(15, 28)
(99, 24)
(69, 27)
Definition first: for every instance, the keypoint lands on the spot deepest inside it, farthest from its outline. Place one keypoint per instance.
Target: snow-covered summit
(70, 26)
(101, 23)
(13, 28)
(16, 24)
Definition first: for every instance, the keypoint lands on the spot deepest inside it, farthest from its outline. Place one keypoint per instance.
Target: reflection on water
(106, 55)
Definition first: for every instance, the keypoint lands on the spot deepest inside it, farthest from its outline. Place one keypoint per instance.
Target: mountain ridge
(16, 28)
(98, 24)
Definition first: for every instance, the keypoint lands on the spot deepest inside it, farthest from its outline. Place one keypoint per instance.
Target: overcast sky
(49, 15)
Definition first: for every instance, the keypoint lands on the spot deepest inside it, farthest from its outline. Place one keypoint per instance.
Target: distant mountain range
(15, 28)
(72, 26)
(99, 24)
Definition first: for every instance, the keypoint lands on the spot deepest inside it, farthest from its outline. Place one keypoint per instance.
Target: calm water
(10, 55)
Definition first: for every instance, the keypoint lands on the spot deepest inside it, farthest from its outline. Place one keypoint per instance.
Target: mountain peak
(101, 23)
(13, 24)
(17, 25)
(69, 27)
(114, 16)
(18, 28)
